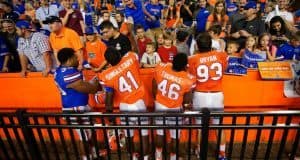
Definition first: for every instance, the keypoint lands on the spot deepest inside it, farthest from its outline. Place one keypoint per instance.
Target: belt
(209, 91)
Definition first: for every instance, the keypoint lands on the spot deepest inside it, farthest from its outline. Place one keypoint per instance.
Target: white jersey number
(172, 92)
(126, 83)
(203, 72)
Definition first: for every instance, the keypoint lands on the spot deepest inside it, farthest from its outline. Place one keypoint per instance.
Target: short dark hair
(179, 62)
(120, 13)
(217, 29)
(233, 42)
(106, 24)
(7, 4)
(103, 12)
(204, 42)
(112, 56)
(65, 54)
(139, 27)
(181, 36)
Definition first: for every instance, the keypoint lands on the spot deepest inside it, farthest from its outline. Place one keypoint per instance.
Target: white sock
(158, 153)
(146, 157)
(135, 157)
(172, 156)
(222, 147)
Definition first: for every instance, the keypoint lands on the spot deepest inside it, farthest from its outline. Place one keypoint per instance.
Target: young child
(181, 42)
(95, 49)
(232, 49)
(150, 58)
(251, 55)
(168, 50)
(234, 66)
(218, 44)
(265, 46)
(291, 50)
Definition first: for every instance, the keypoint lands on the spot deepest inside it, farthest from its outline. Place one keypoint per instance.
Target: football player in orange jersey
(123, 77)
(172, 90)
(208, 66)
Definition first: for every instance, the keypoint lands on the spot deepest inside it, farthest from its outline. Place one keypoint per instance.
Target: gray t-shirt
(183, 48)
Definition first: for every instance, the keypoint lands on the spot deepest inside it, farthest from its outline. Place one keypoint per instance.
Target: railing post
(204, 134)
(28, 136)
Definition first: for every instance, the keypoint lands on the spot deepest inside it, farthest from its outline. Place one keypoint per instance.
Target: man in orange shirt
(123, 77)
(172, 89)
(95, 49)
(63, 37)
(208, 66)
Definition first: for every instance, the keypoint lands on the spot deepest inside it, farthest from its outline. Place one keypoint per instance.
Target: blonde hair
(28, 6)
(255, 40)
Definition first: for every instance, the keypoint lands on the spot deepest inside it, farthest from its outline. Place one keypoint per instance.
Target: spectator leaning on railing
(62, 37)
(33, 47)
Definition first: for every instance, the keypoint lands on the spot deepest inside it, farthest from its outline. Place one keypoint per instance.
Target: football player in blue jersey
(74, 90)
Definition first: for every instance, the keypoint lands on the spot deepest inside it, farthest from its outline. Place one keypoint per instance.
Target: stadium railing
(25, 135)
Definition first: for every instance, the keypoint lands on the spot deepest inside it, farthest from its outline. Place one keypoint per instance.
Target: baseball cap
(23, 24)
(90, 31)
(51, 19)
(249, 5)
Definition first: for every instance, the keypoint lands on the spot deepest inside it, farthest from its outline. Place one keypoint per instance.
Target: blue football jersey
(70, 98)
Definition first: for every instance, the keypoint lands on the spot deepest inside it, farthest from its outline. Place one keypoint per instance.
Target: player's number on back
(203, 72)
(127, 82)
(171, 92)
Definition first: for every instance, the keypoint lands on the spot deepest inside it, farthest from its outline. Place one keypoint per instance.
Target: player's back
(208, 69)
(124, 78)
(172, 85)
(70, 98)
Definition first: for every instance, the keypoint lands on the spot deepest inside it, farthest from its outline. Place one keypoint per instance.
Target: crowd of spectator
(33, 31)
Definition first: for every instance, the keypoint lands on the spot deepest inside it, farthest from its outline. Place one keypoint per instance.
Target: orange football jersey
(208, 69)
(124, 78)
(171, 85)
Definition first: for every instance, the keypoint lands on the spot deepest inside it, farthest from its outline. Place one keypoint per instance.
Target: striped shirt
(33, 48)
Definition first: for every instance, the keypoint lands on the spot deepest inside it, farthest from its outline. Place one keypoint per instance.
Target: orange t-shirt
(125, 79)
(208, 68)
(172, 85)
(67, 38)
(95, 53)
(124, 27)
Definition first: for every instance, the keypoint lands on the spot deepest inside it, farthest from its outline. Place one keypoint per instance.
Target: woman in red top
(218, 17)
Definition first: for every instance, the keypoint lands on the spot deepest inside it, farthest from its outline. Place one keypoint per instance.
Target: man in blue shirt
(135, 13)
(19, 6)
(201, 17)
(290, 51)
(154, 9)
